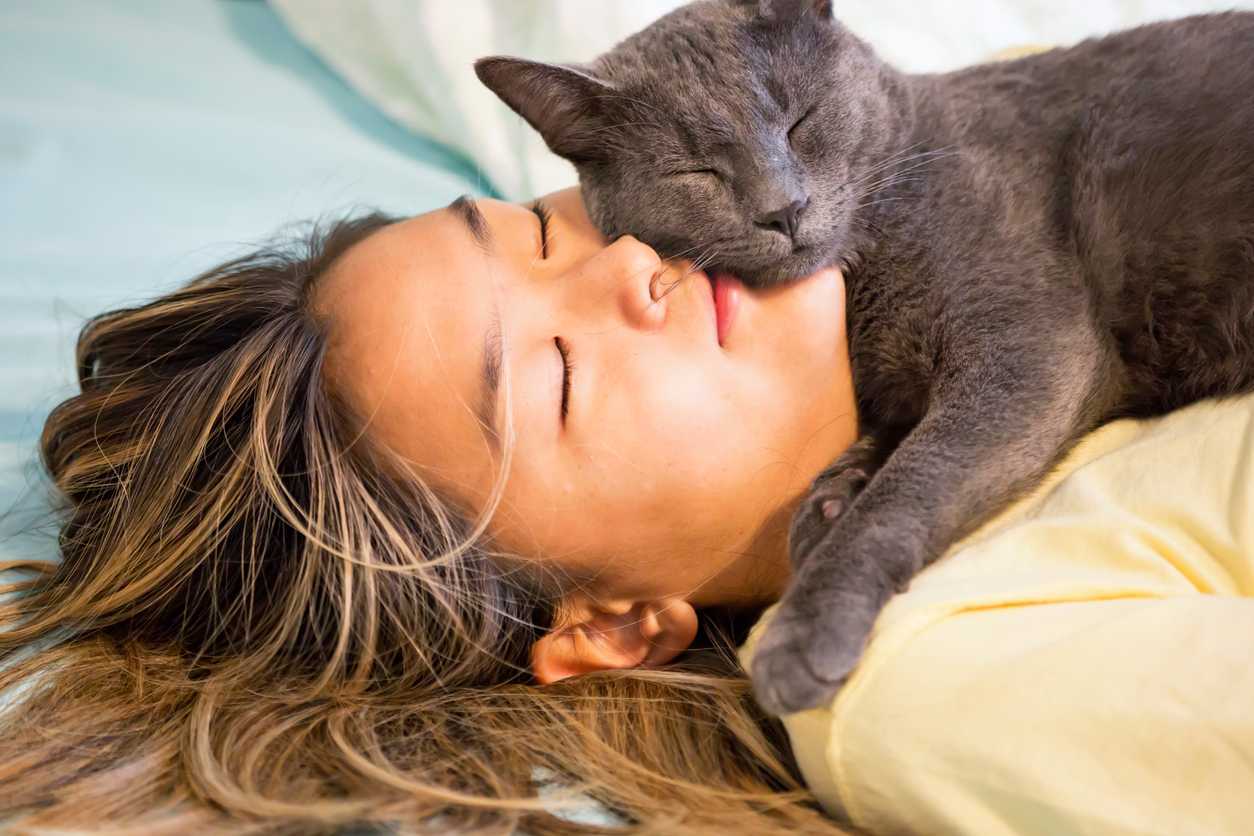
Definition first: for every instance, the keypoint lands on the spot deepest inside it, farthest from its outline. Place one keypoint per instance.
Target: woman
(328, 514)
(313, 569)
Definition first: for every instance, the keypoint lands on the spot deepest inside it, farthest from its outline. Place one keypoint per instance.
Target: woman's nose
(635, 277)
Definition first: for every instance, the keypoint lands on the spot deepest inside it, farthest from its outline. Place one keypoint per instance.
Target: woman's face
(678, 461)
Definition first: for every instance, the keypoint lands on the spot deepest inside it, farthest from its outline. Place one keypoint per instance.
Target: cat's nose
(785, 219)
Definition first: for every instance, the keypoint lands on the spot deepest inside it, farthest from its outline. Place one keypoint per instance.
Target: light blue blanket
(142, 141)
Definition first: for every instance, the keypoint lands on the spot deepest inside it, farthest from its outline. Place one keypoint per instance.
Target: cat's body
(1121, 173)
(1030, 248)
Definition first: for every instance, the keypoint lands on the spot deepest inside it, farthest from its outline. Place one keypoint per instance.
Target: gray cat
(1030, 248)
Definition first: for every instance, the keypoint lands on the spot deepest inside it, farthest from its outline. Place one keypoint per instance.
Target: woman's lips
(727, 290)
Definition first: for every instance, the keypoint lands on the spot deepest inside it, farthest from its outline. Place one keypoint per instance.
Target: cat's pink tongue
(727, 292)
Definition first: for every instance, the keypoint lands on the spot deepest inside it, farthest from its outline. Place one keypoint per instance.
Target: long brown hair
(262, 623)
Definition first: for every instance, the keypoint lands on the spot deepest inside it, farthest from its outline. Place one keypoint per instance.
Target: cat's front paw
(829, 498)
(805, 655)
(831, 494)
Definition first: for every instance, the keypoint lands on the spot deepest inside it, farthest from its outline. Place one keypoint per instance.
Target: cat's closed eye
(699, 172)
(799, 123)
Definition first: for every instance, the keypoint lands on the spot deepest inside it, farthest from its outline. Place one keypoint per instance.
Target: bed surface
(143, 141)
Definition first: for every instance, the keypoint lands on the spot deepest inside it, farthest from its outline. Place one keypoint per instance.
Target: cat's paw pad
(836, 492)
(829, 498)
(802, 662)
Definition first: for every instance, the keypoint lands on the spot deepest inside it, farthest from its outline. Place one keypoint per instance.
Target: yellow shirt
(1080, 665)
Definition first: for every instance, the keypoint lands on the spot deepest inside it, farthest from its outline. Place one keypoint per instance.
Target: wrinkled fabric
(1080, 665)
(413, 58)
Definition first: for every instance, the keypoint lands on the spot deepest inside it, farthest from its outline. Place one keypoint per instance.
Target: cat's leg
(993, 430)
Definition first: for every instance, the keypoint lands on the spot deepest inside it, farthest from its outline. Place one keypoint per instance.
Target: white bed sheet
(413, 57)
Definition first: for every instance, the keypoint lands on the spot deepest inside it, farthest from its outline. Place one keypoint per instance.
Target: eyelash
(568, 371)
(563, 348)
(545, 215)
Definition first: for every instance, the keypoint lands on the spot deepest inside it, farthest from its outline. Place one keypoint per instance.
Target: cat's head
(727, 132)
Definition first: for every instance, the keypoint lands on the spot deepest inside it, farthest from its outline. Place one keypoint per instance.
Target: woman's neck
(760, 573)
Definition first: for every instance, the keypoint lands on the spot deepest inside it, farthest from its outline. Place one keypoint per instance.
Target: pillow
(413, 58)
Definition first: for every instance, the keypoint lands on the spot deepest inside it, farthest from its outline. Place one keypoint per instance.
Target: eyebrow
(490, 379)
(468, 212)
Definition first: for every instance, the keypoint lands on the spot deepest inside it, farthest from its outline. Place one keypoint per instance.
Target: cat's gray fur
(1030, 247)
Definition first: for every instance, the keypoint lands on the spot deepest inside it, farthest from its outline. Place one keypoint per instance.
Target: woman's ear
(612, 635)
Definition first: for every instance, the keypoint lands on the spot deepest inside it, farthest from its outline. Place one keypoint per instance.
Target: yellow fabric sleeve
(1081, 665)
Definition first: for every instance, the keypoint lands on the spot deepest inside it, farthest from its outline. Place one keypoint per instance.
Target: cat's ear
(565, 104)
(785, 10)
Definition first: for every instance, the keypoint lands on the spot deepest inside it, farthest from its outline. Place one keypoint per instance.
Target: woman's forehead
(406, 317)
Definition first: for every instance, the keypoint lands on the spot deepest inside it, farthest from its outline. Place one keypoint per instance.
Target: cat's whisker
(901, 176)
(700, 265)
(697, 266)
(911, 163)
(878, 201)
(894, 159)
(683, 253)
(701, 261)
(894, 178)
(890, 160)
(883, 186)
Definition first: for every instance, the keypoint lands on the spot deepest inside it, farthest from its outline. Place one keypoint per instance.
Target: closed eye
(701, 172)
(568, 372)
(545, 215)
